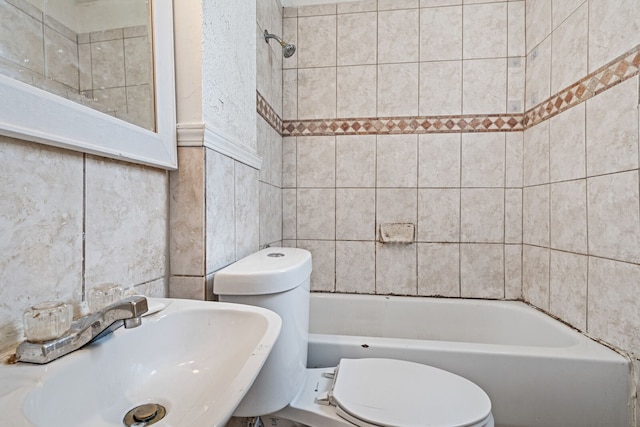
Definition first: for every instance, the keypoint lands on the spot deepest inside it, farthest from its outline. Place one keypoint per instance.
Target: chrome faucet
(127, 312)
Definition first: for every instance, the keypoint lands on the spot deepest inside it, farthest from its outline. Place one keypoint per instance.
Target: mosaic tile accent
(405, 125)
(268, 113)
(620, 69)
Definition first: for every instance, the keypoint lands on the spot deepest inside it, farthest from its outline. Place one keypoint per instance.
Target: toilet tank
(276, 279)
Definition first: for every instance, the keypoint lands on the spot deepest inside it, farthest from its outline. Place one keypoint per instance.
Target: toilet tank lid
(268, 271)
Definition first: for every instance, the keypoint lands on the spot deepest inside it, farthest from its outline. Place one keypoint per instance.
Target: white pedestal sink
(195, 358)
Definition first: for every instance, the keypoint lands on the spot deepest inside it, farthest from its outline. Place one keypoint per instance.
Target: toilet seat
(396, 393)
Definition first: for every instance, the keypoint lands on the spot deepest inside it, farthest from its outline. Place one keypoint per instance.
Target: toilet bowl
(358, 392)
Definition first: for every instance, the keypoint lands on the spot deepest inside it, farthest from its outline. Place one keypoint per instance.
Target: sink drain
(144, 415)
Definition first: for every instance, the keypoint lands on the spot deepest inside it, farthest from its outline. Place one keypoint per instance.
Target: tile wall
(223, 209)
(545, 208)
(421, 66)
(106, 70)
(69, 222)
(581, 221)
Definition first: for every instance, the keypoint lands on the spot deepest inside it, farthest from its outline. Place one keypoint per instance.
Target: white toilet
(358, 392)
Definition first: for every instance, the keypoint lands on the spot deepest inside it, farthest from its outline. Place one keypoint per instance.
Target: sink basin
(195, 358)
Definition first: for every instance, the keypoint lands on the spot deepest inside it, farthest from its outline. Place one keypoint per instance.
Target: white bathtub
(537, 371)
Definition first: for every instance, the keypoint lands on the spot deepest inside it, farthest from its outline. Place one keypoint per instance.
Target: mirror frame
(32, 114)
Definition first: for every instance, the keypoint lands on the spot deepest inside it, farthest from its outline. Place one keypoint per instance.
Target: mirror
(80, 74)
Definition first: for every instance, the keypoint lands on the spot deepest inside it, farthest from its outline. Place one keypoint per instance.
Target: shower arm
(268, 36)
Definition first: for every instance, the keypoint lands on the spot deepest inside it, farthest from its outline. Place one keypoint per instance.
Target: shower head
(288, 49)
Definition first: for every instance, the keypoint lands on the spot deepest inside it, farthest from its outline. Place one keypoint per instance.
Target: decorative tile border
(405, 125)
(268, 113)
(620, 69)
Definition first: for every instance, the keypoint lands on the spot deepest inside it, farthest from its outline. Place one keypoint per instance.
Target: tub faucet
(127, 312)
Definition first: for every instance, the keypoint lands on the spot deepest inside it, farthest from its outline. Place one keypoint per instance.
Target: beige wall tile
(513, 271)
(535, 215)
(440, 88)
(357, 38)
(435, 3)
(316, 161)
(140, 107)
(438, 215)
(317, 41)
(483, 158)
(358, 6)
(138, 61)
(289, 94)
(485, 31)
(398, 25)
(397, 4)
(484, 87)
(396, 269)
(355, 267)
(612, 129)
(316, 93)
(41, 223)
(441, 33)
(30, 52)
(516, 82)
(538, 22)
(612, 30)
(514, 159)
(568, 288)
(316, 214)
(568, 224)
(613, 218)
(567, 145)
(513, 216)
(289, 162)
(356, 161)
(84, 67)
(187, 215)
(220, 211)
(535, 276)
(290, 34)
(538, 74)
(536, 154)
(247, 214)
(263, 147)
(107, 64)
(481, 271)
(187, 287)
(482, 215)
(323, 9)
(439, 269)
(396, 161)
(613, 303)
(61, 58)
(569, 50)
(398, 89)
(396, 205)
(120, 197)
(439, 160)
(516, 29)
(355, 214)
(289, 218)
(323, 254)
(562, 9)
(356, 95)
